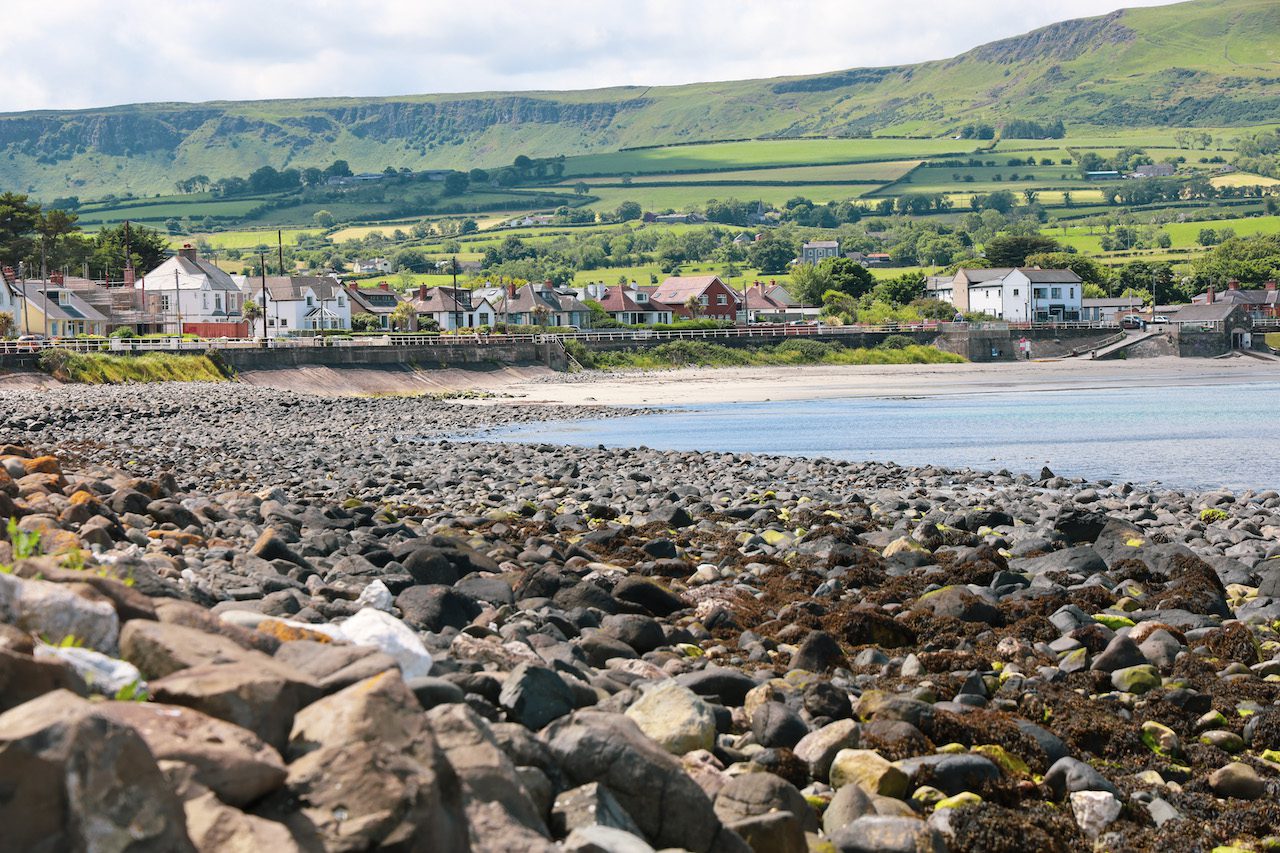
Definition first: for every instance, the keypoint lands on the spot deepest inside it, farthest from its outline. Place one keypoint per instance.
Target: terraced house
(1016, 295)
(50, 308)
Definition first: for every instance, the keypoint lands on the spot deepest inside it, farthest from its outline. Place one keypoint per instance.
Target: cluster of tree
(1260, 154)
(1023, 129)
(1124, 160)
(266, 179)
(1250, 260)
(977, 131)
(31, 235)
(1193, 139)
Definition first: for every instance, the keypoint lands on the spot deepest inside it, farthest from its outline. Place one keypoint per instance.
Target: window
(702, 300)
(642, 297)
(310, 302)
(164, 302)
(722, 300)
(1072, 294)
(1015, 291)
(484, 319)
(205, 299)
(1055, 293)
(283, 322)
(341, 302)
(217, 301)
(1041, 293)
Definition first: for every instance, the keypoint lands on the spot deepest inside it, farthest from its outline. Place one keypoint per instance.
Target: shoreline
(701, 386)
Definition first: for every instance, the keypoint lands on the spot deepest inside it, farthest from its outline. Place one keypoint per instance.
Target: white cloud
(86, 53)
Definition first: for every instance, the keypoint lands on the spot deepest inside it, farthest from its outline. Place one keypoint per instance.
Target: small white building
(452, 309)
(298, 303)
(9, 301)
(188, 289)
(370, 266)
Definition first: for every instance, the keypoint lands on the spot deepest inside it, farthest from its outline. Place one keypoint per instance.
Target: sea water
(1195, 437)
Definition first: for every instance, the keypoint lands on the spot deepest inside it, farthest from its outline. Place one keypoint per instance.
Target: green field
(871, 173)
(761, 153)
(245, 239)
(1183, 234)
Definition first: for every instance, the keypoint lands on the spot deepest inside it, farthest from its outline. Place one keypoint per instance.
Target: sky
(89, 53)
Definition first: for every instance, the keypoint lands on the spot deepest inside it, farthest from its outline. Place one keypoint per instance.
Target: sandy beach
(757, 384)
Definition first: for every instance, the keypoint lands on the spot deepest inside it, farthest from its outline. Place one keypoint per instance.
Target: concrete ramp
(1112, 350)
(1261, 356)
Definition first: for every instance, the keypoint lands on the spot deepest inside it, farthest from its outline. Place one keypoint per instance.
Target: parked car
(1159, 320)
(31, 343)
(1132, 321)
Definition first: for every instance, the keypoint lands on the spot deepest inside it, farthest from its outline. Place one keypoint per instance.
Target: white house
(9, 301)
(372, 265)
(188, 289)
(1016, 295)
(299, 303)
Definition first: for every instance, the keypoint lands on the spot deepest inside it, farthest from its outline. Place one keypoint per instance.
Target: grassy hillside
(1205, 62)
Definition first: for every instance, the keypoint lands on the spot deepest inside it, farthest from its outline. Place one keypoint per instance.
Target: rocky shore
(233, 618)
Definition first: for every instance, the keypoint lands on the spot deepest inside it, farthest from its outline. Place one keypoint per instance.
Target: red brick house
(711, 298)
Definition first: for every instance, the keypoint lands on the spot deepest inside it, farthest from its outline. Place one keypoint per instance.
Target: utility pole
(262, 260)
(280, 249)
(26, 311)
(453, 267)
(44, 287)
(177, 301)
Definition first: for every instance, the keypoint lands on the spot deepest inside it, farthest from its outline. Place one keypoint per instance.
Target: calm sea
(1191, 437)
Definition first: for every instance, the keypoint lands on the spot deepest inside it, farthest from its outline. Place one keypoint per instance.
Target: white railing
(173, 344)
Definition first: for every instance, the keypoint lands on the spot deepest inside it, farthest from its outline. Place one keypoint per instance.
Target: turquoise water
(1192, 437)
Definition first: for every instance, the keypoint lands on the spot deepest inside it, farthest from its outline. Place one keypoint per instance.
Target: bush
(578, 351)
(1209, 516)
(896, 342)
(123, 332)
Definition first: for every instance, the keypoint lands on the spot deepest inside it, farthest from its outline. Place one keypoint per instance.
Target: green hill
(1202, 63)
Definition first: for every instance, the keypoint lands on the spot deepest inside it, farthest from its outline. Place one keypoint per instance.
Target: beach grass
(103, 369)
(702, 354)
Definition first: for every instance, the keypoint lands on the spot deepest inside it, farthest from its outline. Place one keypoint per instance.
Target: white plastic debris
(371, 627)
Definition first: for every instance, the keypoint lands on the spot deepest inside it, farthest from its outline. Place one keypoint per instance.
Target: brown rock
(218, 828)
(264, 701)
(334, 666)
(76, 780)
(229, 760)
(367, 773)
(23, 678)
(129, 603)
(185, 613)
(163, 648)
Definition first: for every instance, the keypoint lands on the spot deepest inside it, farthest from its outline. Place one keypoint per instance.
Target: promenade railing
(639, 336)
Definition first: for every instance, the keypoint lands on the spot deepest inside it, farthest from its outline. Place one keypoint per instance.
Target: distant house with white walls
(299, 303)
(1017, 295)
(189, 290)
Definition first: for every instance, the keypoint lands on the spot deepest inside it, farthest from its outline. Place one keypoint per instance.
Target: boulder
(775, 725)
(1237, 781)
(365, 772)
(675, 718)
(848, 804)
(215, 826)
(669, 807)
(534, 696)
(590, 805)
(262, 701)
(883, 834)
(951, 774)
(56, 611)
(229, 760)
(162, 648)
(78, 780)
(818, 749)
(23, 678)
(870, 771)
(499, 809)
(1068, 775)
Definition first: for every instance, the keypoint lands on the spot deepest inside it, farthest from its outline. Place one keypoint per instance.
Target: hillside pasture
(728, 156)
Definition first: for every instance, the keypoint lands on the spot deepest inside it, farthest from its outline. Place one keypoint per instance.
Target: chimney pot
(422, 291)
(56, 278)
(1233, 284)
(1208, 295)
(1271, 285)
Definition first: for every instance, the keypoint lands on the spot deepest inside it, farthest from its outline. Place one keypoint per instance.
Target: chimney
(129, 276)
(1271, 285)
(511, 289)
(189, 252)
(57, 278)
(9, 275)
(422, 292)
(1233, 284)
(382, 285)
(1208, 295)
